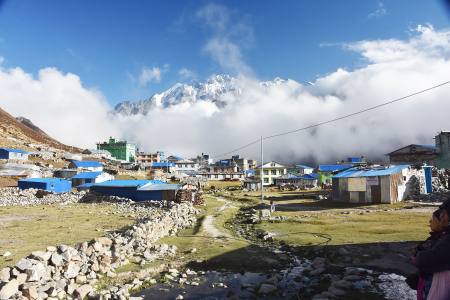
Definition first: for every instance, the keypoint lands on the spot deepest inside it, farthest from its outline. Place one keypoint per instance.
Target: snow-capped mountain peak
(212, 90)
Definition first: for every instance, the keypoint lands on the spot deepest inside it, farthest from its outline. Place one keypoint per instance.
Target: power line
(336, 119)
(357, 112)
(237, 149)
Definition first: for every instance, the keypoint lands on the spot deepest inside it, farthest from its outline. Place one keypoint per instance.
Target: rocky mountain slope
(22, 133)
(216, 89)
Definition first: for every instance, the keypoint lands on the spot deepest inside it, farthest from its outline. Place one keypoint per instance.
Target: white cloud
(186, 74)
(58, 103)
(379, 12)
(228, 55)
(229, 36)
(394, 68)
(148, 75)
(62, 106)
(215, 15)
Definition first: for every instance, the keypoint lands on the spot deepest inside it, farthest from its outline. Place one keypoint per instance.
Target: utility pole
(262, 171)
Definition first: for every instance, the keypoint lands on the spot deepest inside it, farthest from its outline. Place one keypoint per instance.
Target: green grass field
(306, 216)
(28, 229)
(379, 226)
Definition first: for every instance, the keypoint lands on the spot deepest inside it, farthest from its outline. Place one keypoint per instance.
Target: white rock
(36, 272)
(9, 289)
(72, 270)
(82, 291)
(5, 274)
(56, 259)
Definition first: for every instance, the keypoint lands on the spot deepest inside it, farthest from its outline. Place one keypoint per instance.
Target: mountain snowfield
(217, 90)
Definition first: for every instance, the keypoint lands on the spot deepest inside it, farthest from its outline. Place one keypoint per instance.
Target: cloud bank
(58, 103)
(74, 114)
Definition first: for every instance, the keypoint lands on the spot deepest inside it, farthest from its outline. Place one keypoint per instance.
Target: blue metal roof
(87, 164)
(381, 171)
(334, 168)
(127, 183)
(355, 159)
(87, 175)
(14, 150)
(431, 147)
(49, 180)
(162, 164)
(311, 176)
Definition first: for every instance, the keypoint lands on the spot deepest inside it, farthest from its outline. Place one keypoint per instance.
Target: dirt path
(208, 224)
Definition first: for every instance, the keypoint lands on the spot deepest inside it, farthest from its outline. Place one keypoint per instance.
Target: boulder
(72, 270)
(56, 259)
(5, 274)
(41, 255)
(30, 292)
(9, 289)
(21, 278)
(104, 241)
(266, 288)
(82, 291)
(24, 264)
(36, 272)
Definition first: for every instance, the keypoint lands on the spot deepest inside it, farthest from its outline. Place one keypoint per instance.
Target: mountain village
(177, 227)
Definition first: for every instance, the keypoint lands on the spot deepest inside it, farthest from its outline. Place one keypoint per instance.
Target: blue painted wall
(55, 186)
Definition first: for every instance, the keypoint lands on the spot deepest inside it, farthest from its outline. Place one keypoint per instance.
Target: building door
(375, 193)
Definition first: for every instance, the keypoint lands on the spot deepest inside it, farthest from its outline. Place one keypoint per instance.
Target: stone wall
(66, 272)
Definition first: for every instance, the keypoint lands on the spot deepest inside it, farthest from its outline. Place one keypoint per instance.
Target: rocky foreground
(66, 272)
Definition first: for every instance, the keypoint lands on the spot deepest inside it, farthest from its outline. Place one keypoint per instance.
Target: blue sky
(108, 44)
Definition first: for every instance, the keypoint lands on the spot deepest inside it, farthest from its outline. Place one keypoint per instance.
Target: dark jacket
(435, 257)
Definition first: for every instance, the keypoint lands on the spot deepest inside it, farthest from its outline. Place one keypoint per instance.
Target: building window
(266, 172)
(274, 172)
(266, 180)
(216, 176)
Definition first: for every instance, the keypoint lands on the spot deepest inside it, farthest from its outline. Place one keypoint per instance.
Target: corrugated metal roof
(160, 187)
(87, 175)
(431, 147)
(48, 180)
(127, 183)
(87, 164)
(334, 168)
(14, 150)
(381, 171)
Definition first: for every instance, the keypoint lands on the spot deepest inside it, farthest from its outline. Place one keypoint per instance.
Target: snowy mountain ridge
(213, 90)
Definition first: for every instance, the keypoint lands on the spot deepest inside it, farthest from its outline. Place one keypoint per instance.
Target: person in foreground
(432, 258)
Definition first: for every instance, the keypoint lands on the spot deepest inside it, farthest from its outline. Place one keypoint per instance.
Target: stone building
(414, 154)
(442, 141)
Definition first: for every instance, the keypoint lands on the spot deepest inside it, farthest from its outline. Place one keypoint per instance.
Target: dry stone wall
(66, 272)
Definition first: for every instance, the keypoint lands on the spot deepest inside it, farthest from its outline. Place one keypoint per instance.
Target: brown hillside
(13, 133)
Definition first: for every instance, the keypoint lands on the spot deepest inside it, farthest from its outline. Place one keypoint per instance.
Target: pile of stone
(66, 272)
(15, 196)
(432, 197)
(189, 195)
